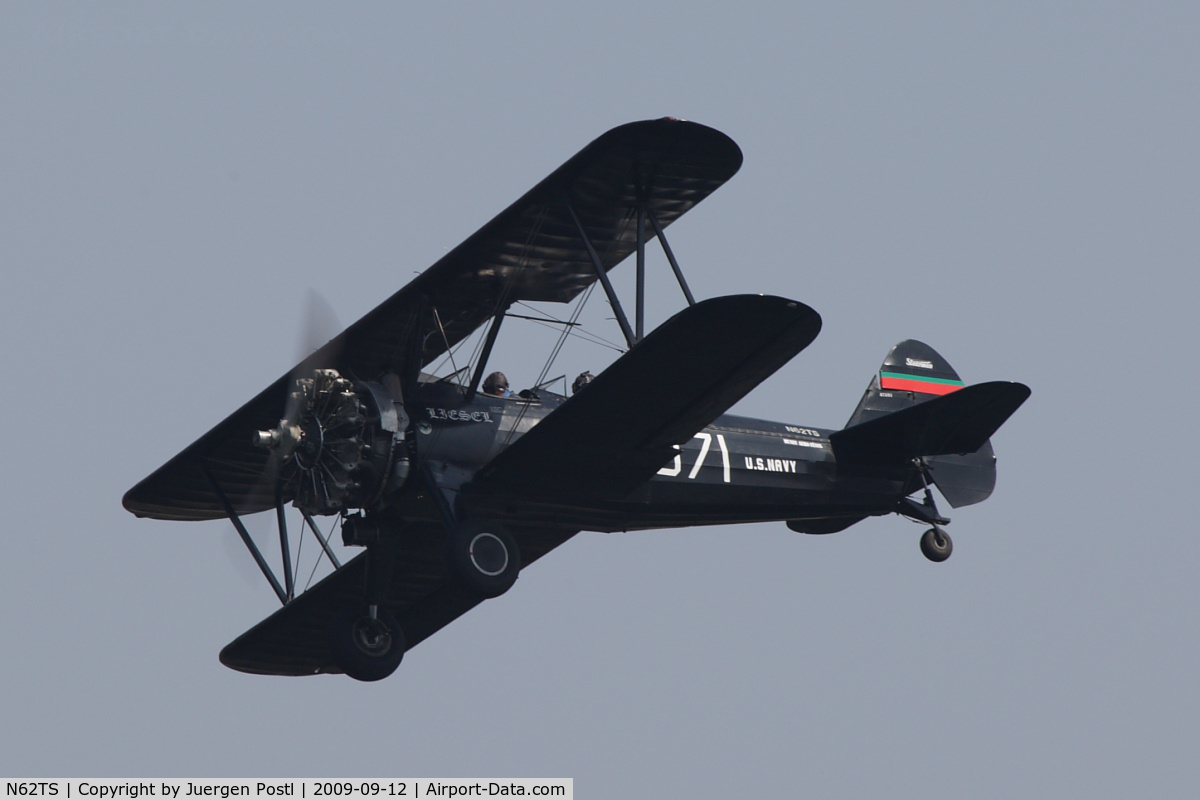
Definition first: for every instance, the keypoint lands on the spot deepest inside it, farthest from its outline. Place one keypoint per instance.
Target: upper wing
(530, 251)
(615, 433)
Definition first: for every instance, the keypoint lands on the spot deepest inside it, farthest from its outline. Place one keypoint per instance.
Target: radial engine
(341, 444)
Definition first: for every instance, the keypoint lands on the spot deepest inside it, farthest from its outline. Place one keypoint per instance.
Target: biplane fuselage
(452, 491)
(737, 469)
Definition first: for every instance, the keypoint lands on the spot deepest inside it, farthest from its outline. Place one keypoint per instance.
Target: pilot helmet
(583, 380)
(495, 383)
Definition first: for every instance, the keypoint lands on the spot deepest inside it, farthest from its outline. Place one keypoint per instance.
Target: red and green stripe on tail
(905, 382)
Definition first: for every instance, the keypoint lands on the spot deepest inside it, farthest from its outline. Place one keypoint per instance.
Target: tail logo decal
(898, 381)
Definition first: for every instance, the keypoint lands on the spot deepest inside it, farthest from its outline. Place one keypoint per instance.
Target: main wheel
(485, 557)
(366, 648)
(936, 544)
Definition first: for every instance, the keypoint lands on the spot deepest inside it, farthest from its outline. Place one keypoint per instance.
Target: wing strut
(250, 545)
(487, 351)
(289, 582)
(287, 592)
(633, 336)
(641, 270)
(613, 300)
(658, 231)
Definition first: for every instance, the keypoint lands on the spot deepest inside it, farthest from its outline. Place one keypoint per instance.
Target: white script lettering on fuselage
(457, 415)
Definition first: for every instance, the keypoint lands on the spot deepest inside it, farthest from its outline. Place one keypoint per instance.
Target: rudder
(912, 373)
(915, 373)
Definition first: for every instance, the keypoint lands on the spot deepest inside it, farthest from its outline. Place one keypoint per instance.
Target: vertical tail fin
(912, 373)
(915, 373)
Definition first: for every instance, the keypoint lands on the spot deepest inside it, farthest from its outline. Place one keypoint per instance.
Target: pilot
(583, 380)
(496, 384)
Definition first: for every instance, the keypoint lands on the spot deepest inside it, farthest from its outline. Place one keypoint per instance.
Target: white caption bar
(356, 789)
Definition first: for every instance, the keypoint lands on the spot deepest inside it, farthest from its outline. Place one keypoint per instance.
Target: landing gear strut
(935, 542)
(365, 640)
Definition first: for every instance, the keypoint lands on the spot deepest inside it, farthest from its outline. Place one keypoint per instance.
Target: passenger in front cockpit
(496, 385)
(583, 380)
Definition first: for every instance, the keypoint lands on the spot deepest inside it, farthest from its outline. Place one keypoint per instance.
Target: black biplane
(452, 486)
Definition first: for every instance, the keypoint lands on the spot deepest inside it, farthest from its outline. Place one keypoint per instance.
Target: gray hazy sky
(1017, 186)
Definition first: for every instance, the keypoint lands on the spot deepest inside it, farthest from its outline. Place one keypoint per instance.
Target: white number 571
(676, 466)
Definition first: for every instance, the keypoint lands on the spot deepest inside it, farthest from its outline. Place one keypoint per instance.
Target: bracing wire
(566, 329)
(478, 338)
(299, 547)
(320, 556)
(445, 339)
(575, 330)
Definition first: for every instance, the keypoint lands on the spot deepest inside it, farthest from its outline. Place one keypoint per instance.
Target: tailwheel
(936, 544)
(485, 557)
(366, 643)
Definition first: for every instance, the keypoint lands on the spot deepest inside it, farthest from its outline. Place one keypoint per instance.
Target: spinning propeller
(339, 444)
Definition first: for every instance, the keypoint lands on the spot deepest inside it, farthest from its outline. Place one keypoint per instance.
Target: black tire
(936, 545)
(366, 649)
(485, 557)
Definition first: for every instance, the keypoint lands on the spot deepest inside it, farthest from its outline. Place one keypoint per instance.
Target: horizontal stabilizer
(957, 423)
(618, 431)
